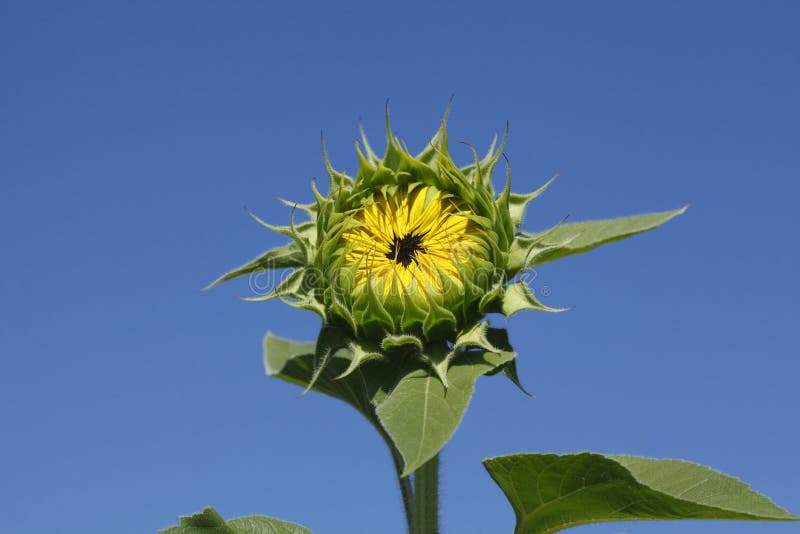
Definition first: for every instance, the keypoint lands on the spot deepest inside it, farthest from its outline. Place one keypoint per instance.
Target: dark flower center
(404, 249)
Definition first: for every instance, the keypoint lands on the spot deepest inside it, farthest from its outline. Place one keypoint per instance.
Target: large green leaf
(529, 250)
(210, 522)
(421, 415)
(551, 492)
(408, 404)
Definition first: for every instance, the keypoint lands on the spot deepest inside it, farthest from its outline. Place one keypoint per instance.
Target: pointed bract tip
(389, 134)
(447, 108)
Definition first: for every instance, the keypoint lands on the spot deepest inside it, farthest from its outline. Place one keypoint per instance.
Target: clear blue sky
(133, 133)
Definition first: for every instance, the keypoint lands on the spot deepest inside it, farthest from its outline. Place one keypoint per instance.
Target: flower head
(407, 257)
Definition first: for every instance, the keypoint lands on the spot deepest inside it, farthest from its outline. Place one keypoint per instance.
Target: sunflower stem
(406, 490)
(426, 498)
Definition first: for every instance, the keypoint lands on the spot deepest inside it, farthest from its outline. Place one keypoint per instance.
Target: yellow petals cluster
(411, 242)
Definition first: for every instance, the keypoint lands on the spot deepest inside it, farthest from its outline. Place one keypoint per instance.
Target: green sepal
(438, 141)
(475, 336)
(439, 323)
(370, 313)
(397, 341)
(361, 351)
(472, 291)
(395, 304)
(518, 297)
(288, 288)
(370, 153)
(493, 155)
(299, 233)
(320, 199)
(504, 215)
(286, 256)
(480, 175)
(473, 172)
(498, 337)
(331, 338)
(337, 179)
(413, 316)
(518, 203)
(391, 155)
(210, 522)
(331, 247)
(309, 303)
(343, 311)
(437, 356)
(310, 209)
(509, 370)
(489, 301)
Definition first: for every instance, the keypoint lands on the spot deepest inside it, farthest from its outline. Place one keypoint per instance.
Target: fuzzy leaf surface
(580, 237)
(407, 404)
(421, 415)
(551, 492)
(210, 522)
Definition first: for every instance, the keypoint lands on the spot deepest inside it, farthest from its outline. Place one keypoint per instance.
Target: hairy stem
(406, 490)
(426, 498)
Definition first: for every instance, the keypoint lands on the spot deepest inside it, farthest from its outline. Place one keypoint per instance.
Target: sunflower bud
(407, 257)
(416, 244)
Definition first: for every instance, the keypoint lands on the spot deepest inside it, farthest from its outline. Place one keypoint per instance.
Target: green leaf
(421, 415)
(551, 492)
(400, 396)
(580, 237)
(294, 362)
(525, 247)
(279, 355)
(210, 522)
(283, 257)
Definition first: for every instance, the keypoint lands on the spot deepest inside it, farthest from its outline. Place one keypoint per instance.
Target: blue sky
(133, 133)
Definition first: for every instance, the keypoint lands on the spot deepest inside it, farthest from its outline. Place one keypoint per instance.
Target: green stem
(405, 489)
(426, 498)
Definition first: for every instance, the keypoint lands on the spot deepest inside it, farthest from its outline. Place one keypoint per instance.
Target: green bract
(408, 257)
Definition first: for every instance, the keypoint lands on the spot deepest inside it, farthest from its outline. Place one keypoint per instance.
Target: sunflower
(415, 242)
(410, 254)
(414, 251)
